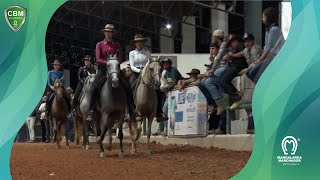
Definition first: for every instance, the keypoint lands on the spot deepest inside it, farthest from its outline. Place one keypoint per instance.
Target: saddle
(134, 86)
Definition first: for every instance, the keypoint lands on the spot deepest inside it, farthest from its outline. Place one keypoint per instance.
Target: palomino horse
(146, 101)
(82, 111)
(59, 111)
(111, 106)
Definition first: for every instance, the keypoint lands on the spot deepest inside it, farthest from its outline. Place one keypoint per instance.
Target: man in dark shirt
(235, 65)
(109, 46)
(82, 75)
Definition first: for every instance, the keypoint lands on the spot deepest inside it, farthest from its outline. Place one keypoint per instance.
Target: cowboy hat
(109, 27)
(230, 38)
(139, 37)
(194, 71)
(167, 60)
(56, 62)
(247, 36)
(208, 65)
(69, 89)
(87, 57)
(218, 33)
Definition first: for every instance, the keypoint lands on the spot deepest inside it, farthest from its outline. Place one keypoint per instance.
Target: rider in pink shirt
(109, 46)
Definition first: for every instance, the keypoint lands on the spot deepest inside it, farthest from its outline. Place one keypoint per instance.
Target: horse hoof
(121, 155)
(101, 154)
(87, 147)
(68, 147)
(148, 152)
(133, 152)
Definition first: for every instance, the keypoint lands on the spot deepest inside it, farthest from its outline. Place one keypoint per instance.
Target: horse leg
(150, 119)
(133, 130)
(58, 133)
(86, 134)
(103, 126)
(120, 136)
(55, 131)
(97, 118)
(109, 127)
(76, 128)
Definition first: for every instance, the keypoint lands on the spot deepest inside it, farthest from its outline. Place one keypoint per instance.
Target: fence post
(228, 114)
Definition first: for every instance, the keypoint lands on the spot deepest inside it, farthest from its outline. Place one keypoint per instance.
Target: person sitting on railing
(172, 76)
(192, 79)
(252, 52)
(235, 65)
(209, 85)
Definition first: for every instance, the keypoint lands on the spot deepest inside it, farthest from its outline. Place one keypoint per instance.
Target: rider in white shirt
(139, 57)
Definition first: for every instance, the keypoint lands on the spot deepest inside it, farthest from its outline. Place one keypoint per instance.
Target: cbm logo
(15, 17)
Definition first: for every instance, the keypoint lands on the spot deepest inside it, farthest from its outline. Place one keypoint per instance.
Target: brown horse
(59, 111)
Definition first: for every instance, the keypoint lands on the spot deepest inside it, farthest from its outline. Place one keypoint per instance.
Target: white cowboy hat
(109, 27)
(218, 33)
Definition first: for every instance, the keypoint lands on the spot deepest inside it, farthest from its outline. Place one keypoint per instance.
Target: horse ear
(89, 74)
(107, 55)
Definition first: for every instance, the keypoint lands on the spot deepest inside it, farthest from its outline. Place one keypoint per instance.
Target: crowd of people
(230, 56)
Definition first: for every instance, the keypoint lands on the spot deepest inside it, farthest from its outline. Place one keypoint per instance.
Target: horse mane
(146, 69)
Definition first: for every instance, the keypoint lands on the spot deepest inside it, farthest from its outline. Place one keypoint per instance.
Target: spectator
(44, 122)
(192, 79)
(172, 76)
(252, 52)
(218, 64)
(128, 73)
(235, 65)
(273, 42)
(30, 124)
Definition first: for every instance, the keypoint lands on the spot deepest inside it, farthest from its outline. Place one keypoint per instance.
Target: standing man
(108, 45)
(82, 75)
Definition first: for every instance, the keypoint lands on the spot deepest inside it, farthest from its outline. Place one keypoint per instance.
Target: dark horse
(59, 111)
(111, 106)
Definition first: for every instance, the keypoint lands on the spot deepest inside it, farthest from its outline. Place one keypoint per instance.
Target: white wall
(186, 62)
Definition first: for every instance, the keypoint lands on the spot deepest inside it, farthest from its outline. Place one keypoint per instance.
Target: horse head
(88, 81)
(59, 89)
(154, 71)
(113, 70)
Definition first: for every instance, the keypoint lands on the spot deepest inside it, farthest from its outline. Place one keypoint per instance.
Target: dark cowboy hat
(247, 36)
(88, 57)
(167, 60)
(139, 37)
(194, 71)
(208, 65)
(109, 27)
(230, 38)
(56, 62)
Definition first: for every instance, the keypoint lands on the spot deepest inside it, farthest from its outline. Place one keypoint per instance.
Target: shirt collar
(139, 51)
(105, 42)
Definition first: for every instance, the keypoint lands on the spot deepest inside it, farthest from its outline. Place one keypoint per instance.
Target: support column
(253, 22)
(189, 35)
(219, 19)
(166, 43)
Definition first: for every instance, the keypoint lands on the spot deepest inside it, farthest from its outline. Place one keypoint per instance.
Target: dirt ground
(43, 161)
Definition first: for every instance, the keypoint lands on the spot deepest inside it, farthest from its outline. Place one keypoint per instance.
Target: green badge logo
(15, 17)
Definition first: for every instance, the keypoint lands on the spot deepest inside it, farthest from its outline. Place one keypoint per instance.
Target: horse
(111, 106)
(80, 116)
(59, 111)
(146, 101)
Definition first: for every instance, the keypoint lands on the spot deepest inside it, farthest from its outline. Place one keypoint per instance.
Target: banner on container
(187, 112)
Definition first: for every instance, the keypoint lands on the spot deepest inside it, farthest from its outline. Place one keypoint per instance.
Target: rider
(108, 45)
(139, 57)
(82, 75)
(52, 76)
